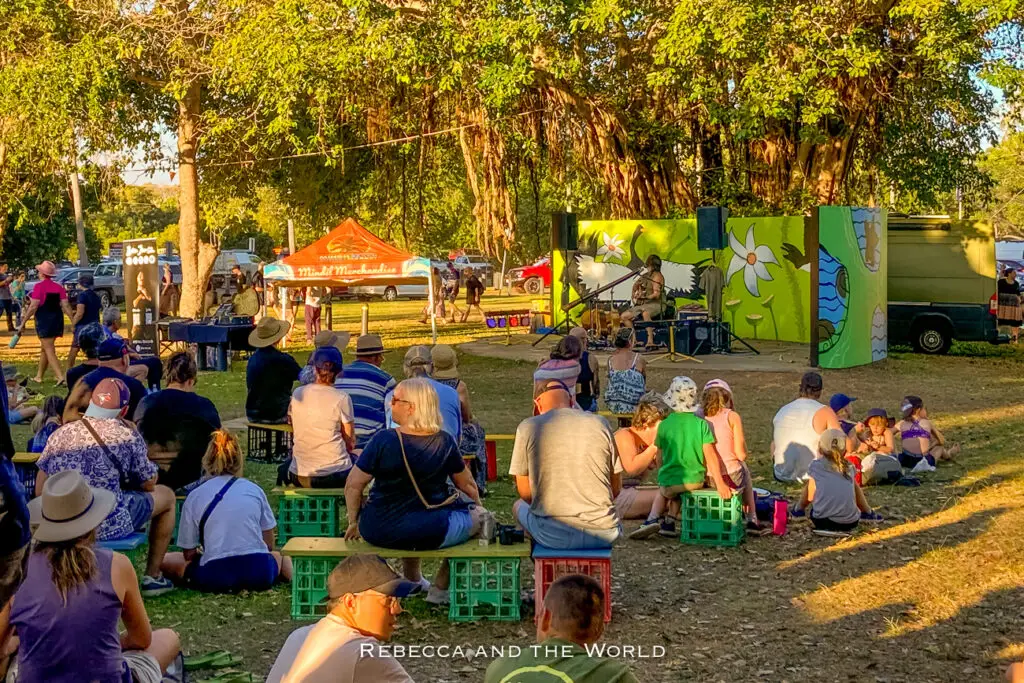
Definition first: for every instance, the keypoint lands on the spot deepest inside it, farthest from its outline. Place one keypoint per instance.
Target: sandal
(218, 659)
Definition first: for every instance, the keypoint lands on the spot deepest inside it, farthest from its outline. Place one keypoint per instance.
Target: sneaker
(153, 587)
(436, 596)
(923, 466)
(646, 530)
(667, 528)
(871, 517)
(797, 513)
(756, 528)
(422, 586)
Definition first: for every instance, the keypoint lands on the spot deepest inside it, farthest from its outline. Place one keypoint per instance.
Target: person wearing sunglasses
(567, 473)
(362, 608)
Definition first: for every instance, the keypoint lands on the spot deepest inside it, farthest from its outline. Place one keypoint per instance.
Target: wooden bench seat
(484, 579)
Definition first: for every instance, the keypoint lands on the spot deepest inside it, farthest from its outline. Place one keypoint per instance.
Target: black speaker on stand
(711, 227)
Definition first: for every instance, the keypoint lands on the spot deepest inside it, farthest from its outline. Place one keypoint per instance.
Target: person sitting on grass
(563, 365)
(922, 441)
(842, 406)
(176, 423)
(731, 444)
(46, 423)
(796, 428)
(567, 474)
(66, 612)
(17, 411)
(837, 502)
(876, 436)
(226, 530)
(323, 428)
(639, 455)
(411, 505)
(572, 620)
(689, 461)
(112, 455)
(362, 605)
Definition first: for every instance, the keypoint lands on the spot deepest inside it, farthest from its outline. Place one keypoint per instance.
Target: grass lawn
(935, 593)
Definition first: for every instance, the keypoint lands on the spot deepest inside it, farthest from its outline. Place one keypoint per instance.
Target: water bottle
(487, 529)
(780, 518)
(14, 340)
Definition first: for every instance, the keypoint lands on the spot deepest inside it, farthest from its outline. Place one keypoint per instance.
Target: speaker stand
(672, 356)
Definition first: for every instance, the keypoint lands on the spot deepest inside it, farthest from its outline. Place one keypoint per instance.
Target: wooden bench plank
(339, 547)
(272, 428)
(336, 493)
(500, 437)
(25, 458)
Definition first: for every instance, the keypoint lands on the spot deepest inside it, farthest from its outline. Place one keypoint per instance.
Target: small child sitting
(690, 461)
(876, 437)
(841, 405)
(837, 502)
(46, 422)
(923, 444)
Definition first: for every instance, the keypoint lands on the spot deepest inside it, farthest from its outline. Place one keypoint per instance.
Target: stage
(775, 356)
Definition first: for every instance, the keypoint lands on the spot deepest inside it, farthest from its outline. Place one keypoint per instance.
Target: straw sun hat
(68, 508)
(268, 332)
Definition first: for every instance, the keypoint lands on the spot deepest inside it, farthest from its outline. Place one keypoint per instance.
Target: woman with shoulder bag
(412, 505)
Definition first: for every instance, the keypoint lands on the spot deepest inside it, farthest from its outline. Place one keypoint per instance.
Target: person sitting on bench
(572, 620)
(323, 428)
(411, 505)
(226, 531)
(649, 299)
(270, 374)
(567, 474)
(362, 603)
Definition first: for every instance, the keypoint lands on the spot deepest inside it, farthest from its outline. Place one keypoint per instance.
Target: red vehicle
(532, 279)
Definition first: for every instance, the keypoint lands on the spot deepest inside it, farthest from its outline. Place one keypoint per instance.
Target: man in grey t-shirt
(567, 474)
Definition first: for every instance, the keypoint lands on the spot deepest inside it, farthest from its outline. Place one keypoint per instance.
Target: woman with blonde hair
(226, 530)
(66, 612)
(639, 455)
(413, 504)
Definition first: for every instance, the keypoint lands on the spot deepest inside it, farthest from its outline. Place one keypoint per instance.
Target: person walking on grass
(49, 304)
(474, 294)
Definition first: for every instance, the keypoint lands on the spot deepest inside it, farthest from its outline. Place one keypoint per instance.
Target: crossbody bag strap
(210, 508)
(451, 499)
(105, 449)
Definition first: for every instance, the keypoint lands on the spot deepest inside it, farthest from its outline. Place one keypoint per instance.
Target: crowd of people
(116, 450)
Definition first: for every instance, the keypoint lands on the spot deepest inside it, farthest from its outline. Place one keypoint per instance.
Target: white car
(389, 292)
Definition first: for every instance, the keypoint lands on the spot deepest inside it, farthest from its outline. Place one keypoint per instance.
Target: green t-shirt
(681, 438)
(557, 661)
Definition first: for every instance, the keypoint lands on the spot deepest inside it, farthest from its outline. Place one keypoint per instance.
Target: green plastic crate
(709, 520)
(300, 516)
(309, 585)
(178, 502)
(484, 589)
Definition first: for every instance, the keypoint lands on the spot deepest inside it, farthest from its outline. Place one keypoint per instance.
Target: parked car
(484, 269)
(389, 292)
(532, 279)
(109, 276)
(68, 277)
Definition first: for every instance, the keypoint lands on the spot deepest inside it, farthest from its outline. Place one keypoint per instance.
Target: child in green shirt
(690, 460)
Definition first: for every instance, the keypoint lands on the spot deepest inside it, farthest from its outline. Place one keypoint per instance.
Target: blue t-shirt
(451, 409)
(91, 301)
(393, 516)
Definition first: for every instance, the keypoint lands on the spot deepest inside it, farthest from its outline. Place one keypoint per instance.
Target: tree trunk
(197, 257)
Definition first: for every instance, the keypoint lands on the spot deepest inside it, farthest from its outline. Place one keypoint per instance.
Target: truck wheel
(390, 294)
(933, 338)
(534, 286)
(105, 299)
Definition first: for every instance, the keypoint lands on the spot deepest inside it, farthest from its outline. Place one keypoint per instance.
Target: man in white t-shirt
(345, 646)
(797, 427)
(323, 427)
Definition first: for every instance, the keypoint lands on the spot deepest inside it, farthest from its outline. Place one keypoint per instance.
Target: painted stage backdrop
(853, 298)
(768, 288)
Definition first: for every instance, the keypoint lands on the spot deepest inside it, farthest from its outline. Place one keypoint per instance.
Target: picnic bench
(484, 578)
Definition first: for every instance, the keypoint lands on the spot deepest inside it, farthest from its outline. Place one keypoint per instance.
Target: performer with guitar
(648, 296)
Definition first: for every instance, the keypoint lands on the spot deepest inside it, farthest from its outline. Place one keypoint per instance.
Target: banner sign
(141, 294)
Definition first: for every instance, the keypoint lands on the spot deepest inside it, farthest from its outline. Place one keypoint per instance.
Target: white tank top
(796, 442)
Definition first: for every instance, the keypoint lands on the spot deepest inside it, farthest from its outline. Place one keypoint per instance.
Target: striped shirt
(367, 385)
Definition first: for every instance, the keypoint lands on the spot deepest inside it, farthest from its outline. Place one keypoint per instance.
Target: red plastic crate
(547, 569)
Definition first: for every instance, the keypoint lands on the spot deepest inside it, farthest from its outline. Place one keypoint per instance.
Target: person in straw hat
(66, 612)
(324, 338)
(367, 385)
(270, 374)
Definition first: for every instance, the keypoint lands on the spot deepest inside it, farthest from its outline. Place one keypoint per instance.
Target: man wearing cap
(797, 427)
(112, 455)
(87, 310)
(367, 385)
(113, 363)
(344, 646)
(418, 363)
(322, 427)
(270, 374)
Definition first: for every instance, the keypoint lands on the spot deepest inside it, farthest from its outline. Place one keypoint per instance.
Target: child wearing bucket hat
(75, 593)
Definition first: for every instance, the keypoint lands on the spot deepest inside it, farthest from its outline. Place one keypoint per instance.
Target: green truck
(942, 282)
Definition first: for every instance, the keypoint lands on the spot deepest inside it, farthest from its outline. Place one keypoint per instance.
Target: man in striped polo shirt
(367, 384)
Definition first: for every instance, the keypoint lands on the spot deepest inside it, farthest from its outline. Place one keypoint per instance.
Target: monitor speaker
(711, 227)
(564, 232)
